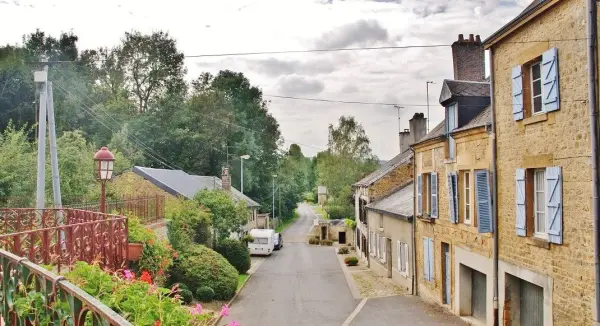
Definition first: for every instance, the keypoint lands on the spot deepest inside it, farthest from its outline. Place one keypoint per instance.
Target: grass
(285, 223)
(241, 280)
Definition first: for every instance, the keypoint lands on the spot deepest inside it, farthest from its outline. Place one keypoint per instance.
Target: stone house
(392, 174)
(454, 243)
(391, 235)
(544, 194)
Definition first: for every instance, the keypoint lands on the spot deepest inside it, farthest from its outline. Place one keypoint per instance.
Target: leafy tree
(17, 158)
(227, 216)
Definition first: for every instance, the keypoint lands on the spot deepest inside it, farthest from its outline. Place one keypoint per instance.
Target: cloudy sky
(233, 26)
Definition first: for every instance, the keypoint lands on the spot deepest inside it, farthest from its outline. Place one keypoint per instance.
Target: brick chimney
(405, 140)
(418, 126)
(225, 179)
(468, 58)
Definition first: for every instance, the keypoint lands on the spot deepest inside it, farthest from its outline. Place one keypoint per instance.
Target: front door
(447, 273)
(342, 237)
(388, 255)
(323, 232)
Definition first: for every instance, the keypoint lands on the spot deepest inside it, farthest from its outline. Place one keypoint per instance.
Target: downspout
(592, 32)
(415, 290)
(494, 189)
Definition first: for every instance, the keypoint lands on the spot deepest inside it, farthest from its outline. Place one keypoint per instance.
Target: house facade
(454, 243)
(545, 218)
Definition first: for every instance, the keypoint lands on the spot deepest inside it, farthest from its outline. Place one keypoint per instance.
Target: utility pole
(274, 176)
(53, 150)
(428, 82)
(41, 78)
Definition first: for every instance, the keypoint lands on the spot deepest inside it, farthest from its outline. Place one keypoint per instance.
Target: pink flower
(234, 323)
(197, 310)
(224, 311)
(128, 275)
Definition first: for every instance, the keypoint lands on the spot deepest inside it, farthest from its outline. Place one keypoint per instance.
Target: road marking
(355, 312)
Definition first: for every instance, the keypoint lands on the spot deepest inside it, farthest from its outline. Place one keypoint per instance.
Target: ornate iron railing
(148, 209)
(31, 295)
(60, 237)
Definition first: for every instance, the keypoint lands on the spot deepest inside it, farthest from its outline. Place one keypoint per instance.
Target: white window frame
(381, 221)
(430, 193)
(531, 81)
(451, 141)
(402, 256)
(539, 196)
(467, 203)
(382, 244)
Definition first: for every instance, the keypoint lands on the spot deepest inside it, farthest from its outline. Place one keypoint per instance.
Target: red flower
(157, 323)
(146, 278)
(175, 254)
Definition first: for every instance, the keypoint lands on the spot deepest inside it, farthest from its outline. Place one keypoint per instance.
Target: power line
(340, 101)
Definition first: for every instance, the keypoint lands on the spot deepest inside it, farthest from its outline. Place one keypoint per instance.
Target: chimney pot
(471, 39)
(478, 39)
(225, 179)
(468, 58)
(461, 38)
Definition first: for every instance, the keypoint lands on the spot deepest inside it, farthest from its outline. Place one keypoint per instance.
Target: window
(381, 221)
(536, 87)
(451, 124)
(539, 202)
(433, 203)
(402, 252)
(382, 248)
(467, 196)
(261, 241)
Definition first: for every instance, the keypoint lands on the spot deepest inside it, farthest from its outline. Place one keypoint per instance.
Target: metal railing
(148, 209)
(31, 295)
(60, 237)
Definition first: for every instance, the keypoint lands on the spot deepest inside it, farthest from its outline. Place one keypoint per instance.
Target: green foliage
(351, 261)
(350, 223)
(314, 241)
(186, 296)
(205, 294)
(157, 256)
(339, 212)
(138, 232)
(343, 251)
(201, 266)
(326, 242)
(236, 253)
(17, 158)
(226, 215)
(309, 197)
(188, 223)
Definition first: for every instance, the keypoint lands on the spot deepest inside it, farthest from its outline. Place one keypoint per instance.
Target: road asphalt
(300, 284)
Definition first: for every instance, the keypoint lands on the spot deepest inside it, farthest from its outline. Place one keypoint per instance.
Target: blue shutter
(426, 261)
(434, 195)
(521, 224)
(451, 212)
(517, 93)
(419, 195)
(455, 194)
(550, 90)
(484, 205)
(431, 260)
(554, 204)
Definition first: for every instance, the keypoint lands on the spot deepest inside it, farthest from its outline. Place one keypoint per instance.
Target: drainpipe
(415, 290)
(494, 189)
(592, 32)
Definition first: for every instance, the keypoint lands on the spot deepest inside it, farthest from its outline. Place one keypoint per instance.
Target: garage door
(532, 300)
(479, 295)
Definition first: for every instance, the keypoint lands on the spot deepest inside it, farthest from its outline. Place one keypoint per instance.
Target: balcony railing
(31, 295)
(148, 209)
(60, 237)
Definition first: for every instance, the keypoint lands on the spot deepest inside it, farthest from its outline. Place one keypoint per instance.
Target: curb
(234, 297)
(349, 279)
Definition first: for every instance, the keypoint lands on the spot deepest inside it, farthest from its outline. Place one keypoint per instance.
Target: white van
(263, 243)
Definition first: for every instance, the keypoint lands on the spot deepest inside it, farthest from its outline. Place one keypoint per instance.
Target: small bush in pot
(205, 294)
(351, 261)
(326, 242)
(343, 251)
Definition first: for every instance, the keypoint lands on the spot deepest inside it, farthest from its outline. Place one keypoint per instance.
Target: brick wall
(561, 139)
(468, 58)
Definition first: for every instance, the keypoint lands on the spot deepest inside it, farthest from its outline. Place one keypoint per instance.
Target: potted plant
(138, 236)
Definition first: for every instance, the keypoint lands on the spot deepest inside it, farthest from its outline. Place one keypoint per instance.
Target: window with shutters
(467, 197)
(535, 73)
(539, 202)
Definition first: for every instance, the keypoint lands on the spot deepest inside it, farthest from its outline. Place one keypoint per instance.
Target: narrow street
(298, 285)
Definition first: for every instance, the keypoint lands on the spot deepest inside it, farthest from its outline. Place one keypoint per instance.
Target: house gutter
(415, 290)
(494, 188)
(592, 34)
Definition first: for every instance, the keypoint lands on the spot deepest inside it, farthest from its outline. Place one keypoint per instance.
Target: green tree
(226, 215)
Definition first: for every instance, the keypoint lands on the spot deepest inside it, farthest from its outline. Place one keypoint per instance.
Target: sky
(201, 27)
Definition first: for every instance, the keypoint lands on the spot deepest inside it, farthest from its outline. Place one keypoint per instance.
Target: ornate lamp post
(104, 160)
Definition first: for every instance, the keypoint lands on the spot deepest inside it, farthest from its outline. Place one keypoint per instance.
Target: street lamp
(274, 176)
(104, 170)
(242, 158)
(428, 82)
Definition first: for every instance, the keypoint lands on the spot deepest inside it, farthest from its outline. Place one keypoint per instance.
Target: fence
(148, 209)
(31, 295)
(60, 237)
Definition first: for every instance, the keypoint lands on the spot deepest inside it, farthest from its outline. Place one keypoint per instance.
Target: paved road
(298, 285)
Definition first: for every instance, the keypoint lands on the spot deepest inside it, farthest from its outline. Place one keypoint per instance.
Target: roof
(387, 167)
(257, 233)
(179, 183)
(535, 4)
(399, 203)
(453, 88)
(437, 131)
(484, 118)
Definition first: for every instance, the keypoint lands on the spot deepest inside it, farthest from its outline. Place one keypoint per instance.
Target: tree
(226, 215)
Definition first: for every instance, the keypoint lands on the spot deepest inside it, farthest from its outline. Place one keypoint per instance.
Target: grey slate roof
(526, 12)
(179, 183)
(451, 88)
(437, 131)
(484, 118)
(388, 166)
(399, 203)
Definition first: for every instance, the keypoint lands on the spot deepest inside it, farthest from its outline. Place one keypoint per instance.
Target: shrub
(186, 296)
(351, 261)
(201, 266)
(326, 242)
(236, 253)
(343, 251)
(205, 294)
(188, 224)
(337, 212)
(309, 197)
(313, 241)
(350, 223)
(138, 233)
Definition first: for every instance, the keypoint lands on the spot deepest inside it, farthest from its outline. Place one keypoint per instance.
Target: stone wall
(397, 177)
(559, 138)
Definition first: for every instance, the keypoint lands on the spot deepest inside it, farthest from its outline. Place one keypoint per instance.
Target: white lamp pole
(242, 158)
(274, 176)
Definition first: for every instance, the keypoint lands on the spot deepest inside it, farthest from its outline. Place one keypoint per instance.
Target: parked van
(264, 242)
